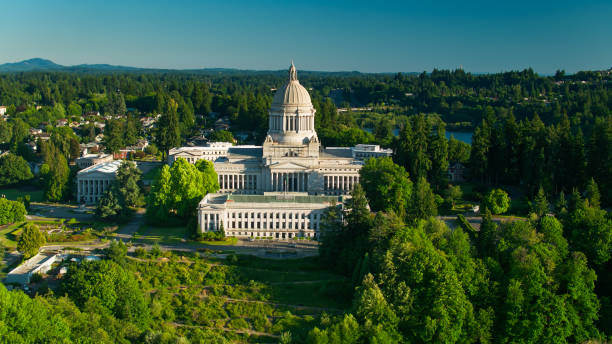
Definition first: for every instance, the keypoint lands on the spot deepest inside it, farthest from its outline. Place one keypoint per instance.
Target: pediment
(95, 175)
(289, 165)
(190, 153)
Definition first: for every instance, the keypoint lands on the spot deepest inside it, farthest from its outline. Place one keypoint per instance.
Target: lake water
(465, 136)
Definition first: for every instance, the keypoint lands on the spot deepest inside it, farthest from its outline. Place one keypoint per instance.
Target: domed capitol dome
(292, 94)
(292, 114)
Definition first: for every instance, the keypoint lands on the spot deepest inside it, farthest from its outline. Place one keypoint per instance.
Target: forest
(400, 274)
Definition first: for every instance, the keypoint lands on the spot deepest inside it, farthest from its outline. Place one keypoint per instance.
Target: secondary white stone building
(291, 160)
(94, 180)
(272, 215)
(363, 152)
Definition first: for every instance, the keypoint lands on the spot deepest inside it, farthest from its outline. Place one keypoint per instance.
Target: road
(126, 233)
(475, 221)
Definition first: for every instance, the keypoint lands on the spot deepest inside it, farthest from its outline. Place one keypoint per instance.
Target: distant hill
(39, 64)
(43, 65)
(30, 65)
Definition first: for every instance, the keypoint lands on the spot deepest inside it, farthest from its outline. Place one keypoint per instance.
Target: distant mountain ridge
(44, 65)
(40, 64)
(30, 65)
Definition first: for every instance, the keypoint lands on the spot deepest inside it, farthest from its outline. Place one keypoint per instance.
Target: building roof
(104, 168)
(336, 152)
(292, 93)
(94, 156)
(246, 151)
(271, 197)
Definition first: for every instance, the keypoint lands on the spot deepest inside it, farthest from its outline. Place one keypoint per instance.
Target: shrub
(466, 226)
(497, 201)
(212, 236)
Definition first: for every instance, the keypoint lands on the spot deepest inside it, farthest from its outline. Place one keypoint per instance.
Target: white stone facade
(272, 215)
(94, 180)
(291, 161)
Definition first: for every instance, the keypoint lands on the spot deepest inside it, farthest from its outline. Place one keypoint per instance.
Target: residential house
(456, 172)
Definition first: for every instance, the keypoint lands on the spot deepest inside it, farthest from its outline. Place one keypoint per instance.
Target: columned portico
(281, 188)
(93, 181)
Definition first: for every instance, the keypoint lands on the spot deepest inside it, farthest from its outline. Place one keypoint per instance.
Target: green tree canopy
(11, 211)
(116, 289)
(497, 201)
(221, 136)
(423, 201)
(386, 185)
(14, 169)
(30, 240)
(178, 189)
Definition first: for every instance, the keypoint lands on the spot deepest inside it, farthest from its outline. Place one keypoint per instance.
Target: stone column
(273, 181)
(302, 188)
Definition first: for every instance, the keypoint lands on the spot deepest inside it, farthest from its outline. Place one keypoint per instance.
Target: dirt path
(227, 329)
(126, 232)
(298, 307)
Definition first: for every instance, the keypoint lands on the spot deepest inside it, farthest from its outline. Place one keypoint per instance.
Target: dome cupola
(291, 113)
(292, 94)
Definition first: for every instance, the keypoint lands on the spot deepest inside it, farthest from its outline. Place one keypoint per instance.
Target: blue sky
(368, 36)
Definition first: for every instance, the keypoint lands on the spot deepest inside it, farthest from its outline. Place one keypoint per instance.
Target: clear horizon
(344, 36)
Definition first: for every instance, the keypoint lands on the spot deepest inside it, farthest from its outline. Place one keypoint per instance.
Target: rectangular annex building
(273, 215)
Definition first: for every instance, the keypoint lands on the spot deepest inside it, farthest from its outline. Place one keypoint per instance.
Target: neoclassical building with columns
(281, 188)
(94, 180)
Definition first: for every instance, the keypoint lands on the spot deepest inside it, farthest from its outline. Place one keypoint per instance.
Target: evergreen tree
(168, 130)
(561, 205)
(55, 173)
(540, 204)
(113, 136)
(438, 153)
(423, 201)
(481, 145)
(592, 193)
(109, 207)
(129, 184)
(487, 236)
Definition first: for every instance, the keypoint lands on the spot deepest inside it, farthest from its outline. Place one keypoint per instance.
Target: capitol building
(281, 188)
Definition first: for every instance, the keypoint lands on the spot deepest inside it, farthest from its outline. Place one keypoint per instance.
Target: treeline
(533, 280)
(531, 154)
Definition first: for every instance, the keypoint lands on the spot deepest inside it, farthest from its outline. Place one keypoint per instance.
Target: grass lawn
(151, 174)
(9, 234)
(36, 194)
(227, 241)
(162, 234)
